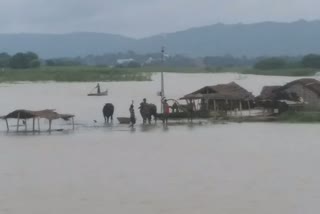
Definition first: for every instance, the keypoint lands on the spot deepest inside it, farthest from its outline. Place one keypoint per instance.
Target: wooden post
(33, 124)
(18, 121)
(25, 125)
(207, 104)
(7, 125)
(240, 108)
(50, 121)
(249, 107)
(215, 105)
(39, 124)
(73, 123)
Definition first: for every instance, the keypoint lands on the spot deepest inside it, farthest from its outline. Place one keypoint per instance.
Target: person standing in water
(132, 115)
(166, 111)
(98, 88)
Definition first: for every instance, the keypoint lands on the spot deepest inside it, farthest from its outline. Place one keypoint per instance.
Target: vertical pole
(240, 107)
(18, 121)
(25, 125)
(73, 123)
(50, 121)
(7, 125)
(162, 78)
(33, 124)
(249, 107)
(38, 124)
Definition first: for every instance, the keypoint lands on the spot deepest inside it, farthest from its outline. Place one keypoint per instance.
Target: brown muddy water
(183, 169)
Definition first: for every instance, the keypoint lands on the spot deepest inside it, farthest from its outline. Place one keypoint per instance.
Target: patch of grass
(299, 117)
(73, 74)
(281, 72)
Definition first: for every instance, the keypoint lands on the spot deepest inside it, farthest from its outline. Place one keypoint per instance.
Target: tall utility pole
(162, 78)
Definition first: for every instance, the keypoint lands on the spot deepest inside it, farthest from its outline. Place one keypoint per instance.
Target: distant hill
(260, 39)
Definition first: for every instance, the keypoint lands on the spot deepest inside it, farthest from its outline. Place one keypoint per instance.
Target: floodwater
(183, 169)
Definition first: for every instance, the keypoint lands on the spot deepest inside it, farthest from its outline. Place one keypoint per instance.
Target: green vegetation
(299, 117)
(271, 63)
(281, 72)
(72, 74)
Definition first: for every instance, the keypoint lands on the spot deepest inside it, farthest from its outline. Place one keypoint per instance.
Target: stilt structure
(25, 115)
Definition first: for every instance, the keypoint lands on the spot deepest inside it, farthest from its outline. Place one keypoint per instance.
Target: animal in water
(147, 110)
(107, 111)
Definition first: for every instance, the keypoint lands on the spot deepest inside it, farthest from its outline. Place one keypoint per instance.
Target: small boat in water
(124, 120)
(99, 92)
(103, 93)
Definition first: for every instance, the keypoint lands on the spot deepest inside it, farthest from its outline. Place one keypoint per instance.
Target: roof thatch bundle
(230, 91)
(312, 84)
(268, 92)
(27, 114)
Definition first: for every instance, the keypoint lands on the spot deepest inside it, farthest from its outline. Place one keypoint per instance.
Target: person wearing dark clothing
(166, 111)
(98, 88)
(132, 116)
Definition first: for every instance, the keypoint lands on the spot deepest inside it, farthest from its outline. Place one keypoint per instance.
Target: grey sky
(139, 18)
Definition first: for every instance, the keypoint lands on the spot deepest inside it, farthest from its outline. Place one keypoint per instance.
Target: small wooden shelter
(222, 97)
(25, 115)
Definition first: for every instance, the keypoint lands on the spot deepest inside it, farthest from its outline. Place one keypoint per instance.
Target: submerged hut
(221, 97)
(296, 95)
(25, 115)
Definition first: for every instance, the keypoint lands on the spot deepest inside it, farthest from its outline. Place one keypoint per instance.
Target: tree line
(19, 60)
(307, 61)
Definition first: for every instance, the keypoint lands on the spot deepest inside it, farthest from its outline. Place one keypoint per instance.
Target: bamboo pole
(39, 124)
(33, 124)
(73, 123)
(50, 121)
(7, 125)
(18, 121)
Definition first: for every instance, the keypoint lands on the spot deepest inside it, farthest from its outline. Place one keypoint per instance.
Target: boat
(103, 93)
(124, 120)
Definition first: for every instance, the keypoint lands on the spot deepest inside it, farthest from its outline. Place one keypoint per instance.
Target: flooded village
(220, 102)
(159, 107)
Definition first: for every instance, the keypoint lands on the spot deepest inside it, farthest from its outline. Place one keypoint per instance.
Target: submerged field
(91, 73)
(73, 74)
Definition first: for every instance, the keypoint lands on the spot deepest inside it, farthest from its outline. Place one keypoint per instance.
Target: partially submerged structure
(297, 95)
(221, 97)
(25, 115)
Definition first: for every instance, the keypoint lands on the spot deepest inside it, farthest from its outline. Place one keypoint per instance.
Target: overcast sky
(140, 18)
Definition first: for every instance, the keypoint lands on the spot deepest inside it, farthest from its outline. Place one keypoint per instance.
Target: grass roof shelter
(25, 115)
(221, 97)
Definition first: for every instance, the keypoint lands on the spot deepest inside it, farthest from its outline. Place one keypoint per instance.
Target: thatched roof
(27, 114)
(312, 84)
(231, 91)
(268, 92)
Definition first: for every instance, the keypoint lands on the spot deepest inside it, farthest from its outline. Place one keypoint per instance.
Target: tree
(4, 60)
(311, 61)
(270, 63)
(24, 60)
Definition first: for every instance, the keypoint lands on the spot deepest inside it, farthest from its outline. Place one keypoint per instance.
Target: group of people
(166, 111)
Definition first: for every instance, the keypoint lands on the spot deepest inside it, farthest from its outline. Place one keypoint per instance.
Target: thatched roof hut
(230, 91)
(268, 92)
(223, 97)
(48, 114)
